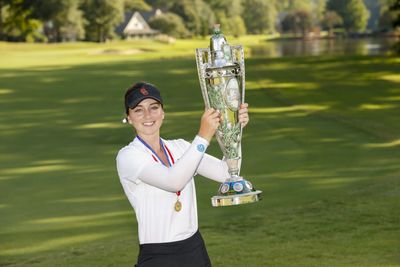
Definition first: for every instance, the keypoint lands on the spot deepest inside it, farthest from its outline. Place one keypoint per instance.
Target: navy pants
(190, 252)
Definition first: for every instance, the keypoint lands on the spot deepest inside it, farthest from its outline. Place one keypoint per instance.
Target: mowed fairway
(323, 145)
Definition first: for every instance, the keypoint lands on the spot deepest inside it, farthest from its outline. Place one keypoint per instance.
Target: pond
(361, 46)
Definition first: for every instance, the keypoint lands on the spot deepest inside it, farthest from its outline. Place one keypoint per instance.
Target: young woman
(157, 177)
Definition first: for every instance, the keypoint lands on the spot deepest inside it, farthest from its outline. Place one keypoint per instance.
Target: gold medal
(178, 205)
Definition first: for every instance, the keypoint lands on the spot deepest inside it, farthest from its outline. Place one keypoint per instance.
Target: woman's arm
(133, 165)
(213, 168)
(175, 178)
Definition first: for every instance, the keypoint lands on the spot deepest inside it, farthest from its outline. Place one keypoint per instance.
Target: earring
(125, 120)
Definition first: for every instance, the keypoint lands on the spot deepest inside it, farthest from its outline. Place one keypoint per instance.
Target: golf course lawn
(323, 144)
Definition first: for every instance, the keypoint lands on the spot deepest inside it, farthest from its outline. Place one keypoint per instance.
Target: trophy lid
(217, 40)
(217, 29)
(221, 54)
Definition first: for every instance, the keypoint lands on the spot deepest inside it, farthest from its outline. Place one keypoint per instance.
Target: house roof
(136, 23)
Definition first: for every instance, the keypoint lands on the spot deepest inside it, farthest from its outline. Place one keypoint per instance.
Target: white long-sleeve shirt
(151, 187)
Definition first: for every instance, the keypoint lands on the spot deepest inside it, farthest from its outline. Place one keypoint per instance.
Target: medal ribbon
(157, 159)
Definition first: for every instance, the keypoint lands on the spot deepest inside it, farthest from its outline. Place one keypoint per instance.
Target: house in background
(136, 25)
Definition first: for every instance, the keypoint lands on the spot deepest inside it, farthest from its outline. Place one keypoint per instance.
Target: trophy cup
(222, 81)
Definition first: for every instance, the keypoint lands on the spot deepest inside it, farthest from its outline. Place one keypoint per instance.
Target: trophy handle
(201, 69)
(238, 56)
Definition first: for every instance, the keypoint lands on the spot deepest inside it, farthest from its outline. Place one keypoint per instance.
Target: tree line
(96, 20)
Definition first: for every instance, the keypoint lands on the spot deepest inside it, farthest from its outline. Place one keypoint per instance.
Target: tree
(388, 15)
(315, 8)
(206, 17)
(17, 23)
(354, 13)
(171, 24)
(331, 20)
(70, 21)
(4, 5)
(318, 11)
(196, 14)
(395, 8)
(260, 16)
(63, 19)
(163, 4)
(237, 26)
(136, 5)
(374, 7)
(47, 11)
(102, 17)
(358, 19)
(228, 13)
(290, 5)
(297, 22)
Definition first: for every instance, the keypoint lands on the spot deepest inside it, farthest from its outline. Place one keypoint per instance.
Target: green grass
(322, 144)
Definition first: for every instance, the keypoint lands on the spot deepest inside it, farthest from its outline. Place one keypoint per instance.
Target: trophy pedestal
(220, 201)
(235, 191)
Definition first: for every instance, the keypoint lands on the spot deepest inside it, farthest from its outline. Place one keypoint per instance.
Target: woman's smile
(147, 124)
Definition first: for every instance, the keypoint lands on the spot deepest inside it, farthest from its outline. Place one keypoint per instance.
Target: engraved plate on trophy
(222, 81)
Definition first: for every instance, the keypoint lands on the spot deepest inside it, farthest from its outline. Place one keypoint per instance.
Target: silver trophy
(222, 81)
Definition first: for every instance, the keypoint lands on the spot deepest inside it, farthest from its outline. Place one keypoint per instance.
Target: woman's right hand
(209, 123)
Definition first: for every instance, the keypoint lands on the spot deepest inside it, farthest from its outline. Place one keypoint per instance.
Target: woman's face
(146, 117)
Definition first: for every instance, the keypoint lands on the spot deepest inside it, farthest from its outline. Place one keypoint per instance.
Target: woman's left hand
(243, 114)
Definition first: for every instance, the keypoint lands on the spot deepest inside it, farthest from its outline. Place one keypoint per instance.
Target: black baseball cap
(140, 91)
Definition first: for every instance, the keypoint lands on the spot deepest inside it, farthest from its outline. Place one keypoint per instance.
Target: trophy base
(221, 201)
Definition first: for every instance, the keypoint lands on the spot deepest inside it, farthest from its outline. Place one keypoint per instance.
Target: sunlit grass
(54, 244)
(35, 169)
(377, 106)
(100, 125)
(383, 145)
(309, 86)
(77, 219)
(289, 109)
(91, 199)
(5, 91)
(392, 78)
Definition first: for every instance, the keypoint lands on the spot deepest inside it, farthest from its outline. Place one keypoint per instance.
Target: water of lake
(283, 48)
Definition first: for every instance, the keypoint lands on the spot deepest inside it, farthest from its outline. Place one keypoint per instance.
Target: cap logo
(143, 91)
